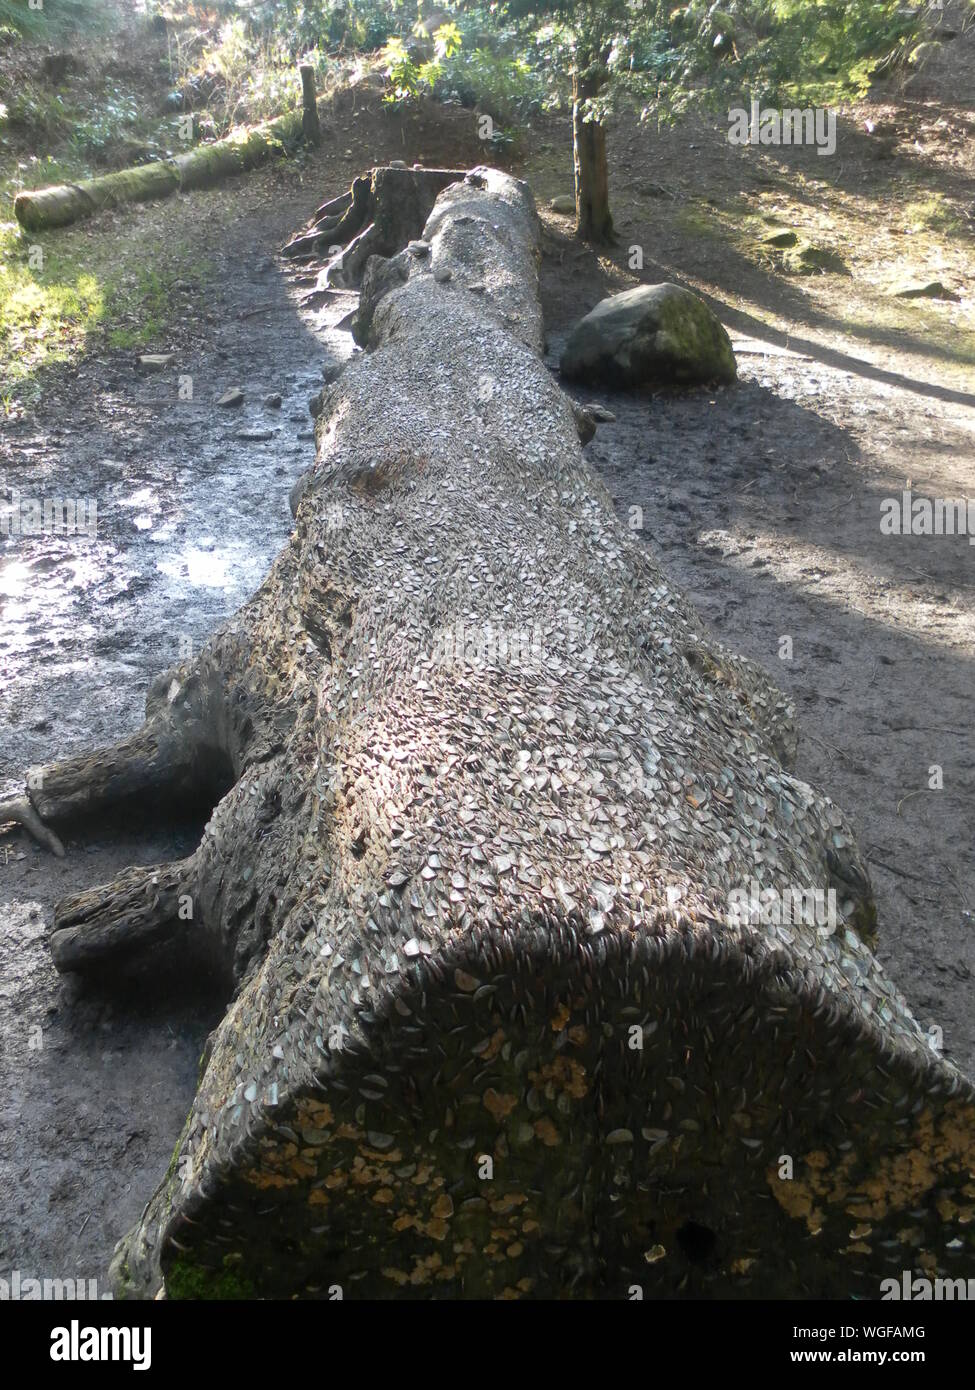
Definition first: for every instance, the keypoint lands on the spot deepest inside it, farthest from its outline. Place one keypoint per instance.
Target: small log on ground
(501, 1027)
(43, 209)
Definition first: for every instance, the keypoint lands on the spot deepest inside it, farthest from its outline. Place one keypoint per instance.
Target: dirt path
(192, 505)
(762, 503)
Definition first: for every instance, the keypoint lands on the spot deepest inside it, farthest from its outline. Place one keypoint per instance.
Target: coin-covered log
(502, 1026)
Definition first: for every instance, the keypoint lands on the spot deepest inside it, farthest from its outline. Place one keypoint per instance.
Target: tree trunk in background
(490, 792)
(594, 222)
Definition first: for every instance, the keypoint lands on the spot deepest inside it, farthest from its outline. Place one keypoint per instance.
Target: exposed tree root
(117, 921)
(19, 810)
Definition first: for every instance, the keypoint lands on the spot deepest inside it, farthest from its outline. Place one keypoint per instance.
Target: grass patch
(921, 330)
(48, 308)
(186, 1280)
(934, 213)
(699, 219)
(67, 293)
(139, 306)
(810, 259)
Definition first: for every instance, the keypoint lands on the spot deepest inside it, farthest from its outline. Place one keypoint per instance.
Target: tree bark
(496, 1032)
(594, 222)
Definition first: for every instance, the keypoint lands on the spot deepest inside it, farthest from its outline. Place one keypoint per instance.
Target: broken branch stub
(500, 1029)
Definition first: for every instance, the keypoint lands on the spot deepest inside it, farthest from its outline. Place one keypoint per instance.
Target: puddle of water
(204, 568)
(188, 525)
(13, 576)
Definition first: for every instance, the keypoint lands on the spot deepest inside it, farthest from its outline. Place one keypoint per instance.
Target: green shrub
(505, 88)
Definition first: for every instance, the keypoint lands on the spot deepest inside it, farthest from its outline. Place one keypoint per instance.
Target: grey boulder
(648, 335)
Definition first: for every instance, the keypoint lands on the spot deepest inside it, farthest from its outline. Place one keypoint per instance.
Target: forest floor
(761, 502)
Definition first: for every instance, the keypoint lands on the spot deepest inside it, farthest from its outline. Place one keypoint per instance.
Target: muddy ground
(761, 502)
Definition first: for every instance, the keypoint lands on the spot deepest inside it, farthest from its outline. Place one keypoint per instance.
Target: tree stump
(493, 791)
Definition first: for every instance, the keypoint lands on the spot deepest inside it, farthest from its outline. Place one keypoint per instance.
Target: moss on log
(497, 1031)
(43, 209)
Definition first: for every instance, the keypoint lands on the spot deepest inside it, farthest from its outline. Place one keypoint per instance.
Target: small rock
(273, 401)
(233, 397)
(599, 413)
(315, 405)
(781, 238)
(565, 204)
(932, 289)
(259, 435)
(155, 361)
(397, 164)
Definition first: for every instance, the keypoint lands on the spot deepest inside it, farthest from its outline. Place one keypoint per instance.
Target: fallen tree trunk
(42, 209)
(497, 1030)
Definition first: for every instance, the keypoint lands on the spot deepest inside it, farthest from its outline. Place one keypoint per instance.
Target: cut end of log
(569, 1113)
